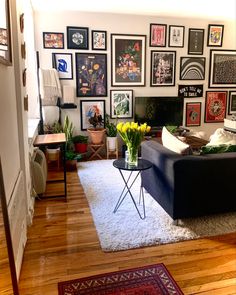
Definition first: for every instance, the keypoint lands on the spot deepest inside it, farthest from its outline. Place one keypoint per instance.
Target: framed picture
(99, 40)
(215, 35)
(53, 40)
(176, 36)
(215, 106)
(62, 62)
(190, 90)
(3, 38)
(121, 103)
(232, 103)
(195, 41)
(91, 74)
(158, 35)
(193, 114)
(192, 68)
(128, 54)
(163, 68)
(87, 110)
(77, 37)
(222, 72)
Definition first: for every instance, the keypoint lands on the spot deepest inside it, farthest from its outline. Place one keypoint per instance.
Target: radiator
(39, 171)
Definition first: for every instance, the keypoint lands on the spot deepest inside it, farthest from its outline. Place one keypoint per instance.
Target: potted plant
(80, 143)
(53, 151)
(111, 132)
(96, 133)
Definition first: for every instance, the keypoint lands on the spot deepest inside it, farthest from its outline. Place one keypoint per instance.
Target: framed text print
(128, 54)
(215, 106)
(222, 72)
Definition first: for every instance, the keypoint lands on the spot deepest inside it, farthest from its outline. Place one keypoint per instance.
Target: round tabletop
(142, 165)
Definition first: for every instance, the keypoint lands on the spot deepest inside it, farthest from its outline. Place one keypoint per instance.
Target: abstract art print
(77, 38)
(88, 108)
(99, 40)
(62, 62)
(176, 36)
(163, 68)
(192, 68)
(121, 103)
(91, 74)
(128, 60)
(193, 114)
(53, 40)
(158, 35)
(222, 73)
(215, 35)
(215, 106)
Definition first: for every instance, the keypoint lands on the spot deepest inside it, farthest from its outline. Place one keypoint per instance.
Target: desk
(122, 165)
(51, 139)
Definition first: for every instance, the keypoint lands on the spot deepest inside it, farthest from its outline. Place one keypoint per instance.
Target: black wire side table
(121, 165)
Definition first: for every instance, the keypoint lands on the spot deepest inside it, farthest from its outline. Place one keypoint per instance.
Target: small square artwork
(77, 38)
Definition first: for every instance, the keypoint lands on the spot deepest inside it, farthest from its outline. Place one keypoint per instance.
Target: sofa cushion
(221, 136)
(215, 149)
(173, 143)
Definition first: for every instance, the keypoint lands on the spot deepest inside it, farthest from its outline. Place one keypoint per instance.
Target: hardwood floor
(63, 245)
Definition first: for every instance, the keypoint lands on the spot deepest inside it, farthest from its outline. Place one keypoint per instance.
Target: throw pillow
(173, 143)
(214, 149)
(221, 136)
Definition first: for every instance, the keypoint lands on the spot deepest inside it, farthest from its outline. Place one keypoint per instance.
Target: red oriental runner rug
(147, 280)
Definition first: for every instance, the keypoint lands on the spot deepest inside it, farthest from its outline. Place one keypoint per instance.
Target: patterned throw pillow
(215, 149)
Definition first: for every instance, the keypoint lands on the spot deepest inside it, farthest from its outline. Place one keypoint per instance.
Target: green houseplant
(80, 143)
(111, 132)
(96, 133)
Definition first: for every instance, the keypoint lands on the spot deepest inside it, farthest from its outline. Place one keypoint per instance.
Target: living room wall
(131, 24)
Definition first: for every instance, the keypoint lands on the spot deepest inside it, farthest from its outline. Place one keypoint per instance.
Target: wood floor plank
(63, 245)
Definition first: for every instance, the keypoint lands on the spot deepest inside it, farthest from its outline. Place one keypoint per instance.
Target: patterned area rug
(151, 280)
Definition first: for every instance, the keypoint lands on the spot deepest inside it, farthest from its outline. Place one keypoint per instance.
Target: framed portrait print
(215, 35)
(192, 68)
(163, 68)
(121, 103)
(53, 40)
(232, 103)
(99, 40)
(193, 114)
(215, 106)
(62, 62)
(128, 54)
(222, 72)
(77, 38)
(91, 74)
(88, 108)
(158, 35)
(176, 36)
(195, 41)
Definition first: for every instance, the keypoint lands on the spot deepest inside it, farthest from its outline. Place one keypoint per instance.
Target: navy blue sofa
(190, 186)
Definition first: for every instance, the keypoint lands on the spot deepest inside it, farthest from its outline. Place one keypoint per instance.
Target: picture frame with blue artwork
(62, 62)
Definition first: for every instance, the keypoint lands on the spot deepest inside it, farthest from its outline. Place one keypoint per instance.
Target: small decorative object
(163, 68)
(24, 77)
(222, 72)
(128, 54)
(121, 103)
(176, 36)
(62, 62)
(215, 35)
(195, 41)
(99, 40)
(53, 40)
(215, 106)
(193, 114)
(22, 23)
(23, 50)
(77, 38)
(91, 74)
(26, 103)
(192, 68)
(232, 103)
(158, 35)
(132, 134)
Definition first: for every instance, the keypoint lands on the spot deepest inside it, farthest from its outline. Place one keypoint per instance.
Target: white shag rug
(124, 229)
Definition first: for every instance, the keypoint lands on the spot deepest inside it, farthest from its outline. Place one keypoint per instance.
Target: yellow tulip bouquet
(132, 134)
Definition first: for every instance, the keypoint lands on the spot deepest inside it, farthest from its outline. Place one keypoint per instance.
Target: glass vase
(132, 156)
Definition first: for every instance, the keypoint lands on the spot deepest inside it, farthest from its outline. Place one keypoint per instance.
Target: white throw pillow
(173, 143)
(221, 136)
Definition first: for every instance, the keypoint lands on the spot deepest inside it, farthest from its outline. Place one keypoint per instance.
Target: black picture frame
(192, 68)
(77, 38)
(99, 40)
(195, 41)
(215, 35)
(222, 72)
(53, 40)
(163, 65)
(91, 74)
(121, 103)
(176, 36)
(88, 109)
(63, 63)
(158, 34)
(232, 103)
